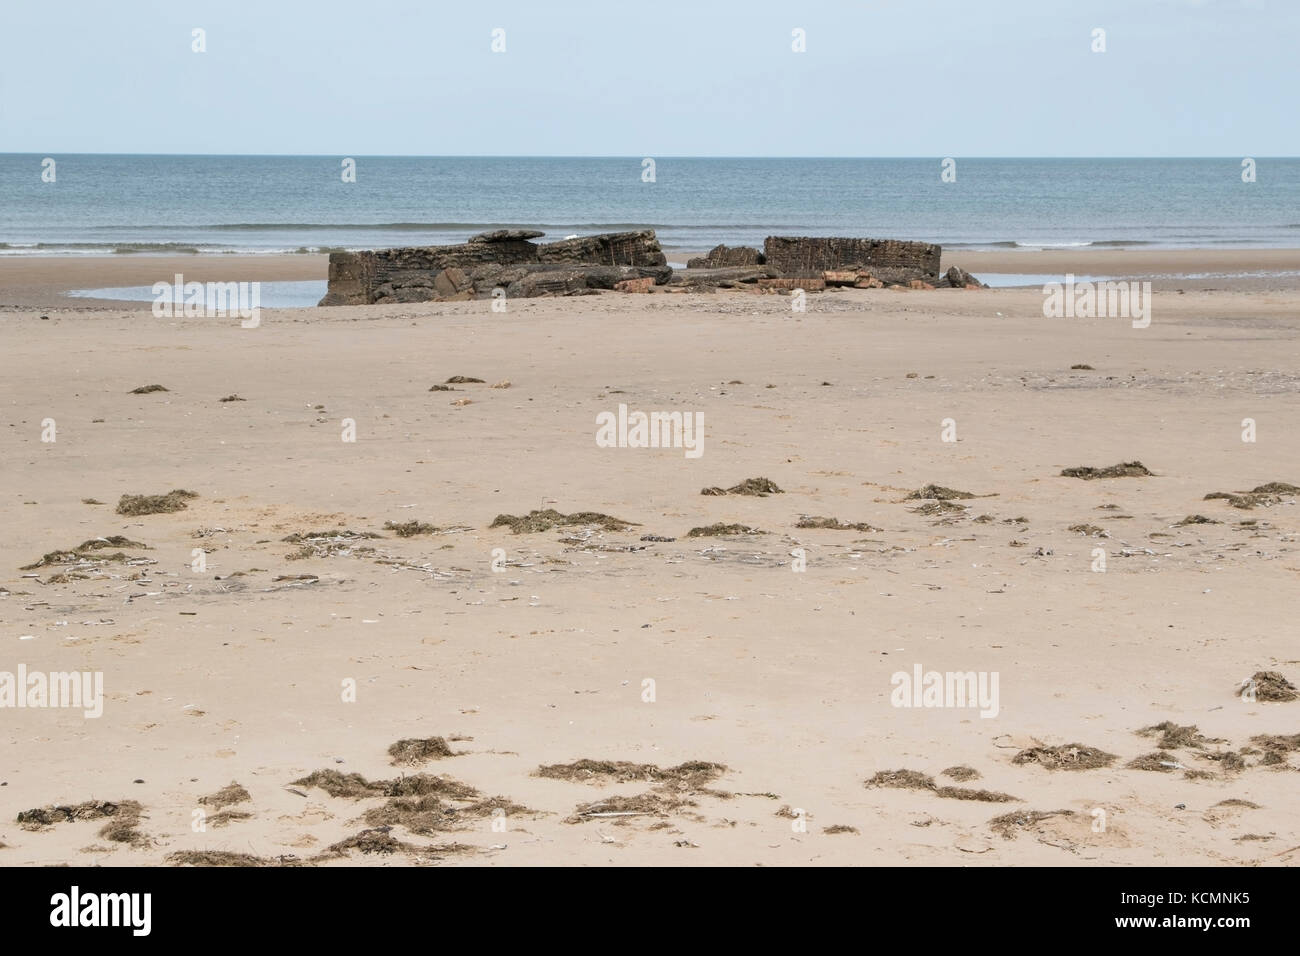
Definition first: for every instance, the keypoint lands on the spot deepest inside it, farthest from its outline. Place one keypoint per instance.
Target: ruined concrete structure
(889, 260)
(504, 259)
(722, 257)
(508, 259)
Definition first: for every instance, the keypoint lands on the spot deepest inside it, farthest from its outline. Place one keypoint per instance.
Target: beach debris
(1195, 519)
(837, 828)
(670, 790)
(658, 538)
(962, 773)
(219, 858)
(1276, 488)
(940, 507)
(225, 797)
(1174, 736)
(808, 521)
(1089, 530)
(374, 840)
(1276, 747)
(48, 816)
(123, 817)
(146, 389)
(415, 750)
(1161, 761)
(1082, 367)
(940, 493)
(232, 398)
(408, 529)
(1011, 825)
(356, 787)
(1268, 494)
(1229, 761)
(1270, 686)
(464, 380)
(758, 487)
(428, 813)
(722, 529)
(901, 779)
(966, 793)
(326, 544)
(642, 805)
(1126, 469)
(915, 780)
(692, 775)
(1065, 757)
(87, 552)
(544, 520)
(174, 500)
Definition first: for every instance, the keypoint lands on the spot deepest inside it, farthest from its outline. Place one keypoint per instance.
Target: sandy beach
(274, 634)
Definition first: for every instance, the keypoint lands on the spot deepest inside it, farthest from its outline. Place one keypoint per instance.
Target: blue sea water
(288, 294)
(122, 204)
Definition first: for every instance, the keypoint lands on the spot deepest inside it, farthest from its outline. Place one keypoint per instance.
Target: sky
(663, 78)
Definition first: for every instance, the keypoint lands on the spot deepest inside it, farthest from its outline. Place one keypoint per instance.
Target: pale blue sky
(654, 78)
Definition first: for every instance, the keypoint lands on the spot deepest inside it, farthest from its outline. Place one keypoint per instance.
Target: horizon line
(616, 156)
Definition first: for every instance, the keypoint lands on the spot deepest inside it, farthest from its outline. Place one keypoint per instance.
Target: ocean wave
(391, 226)
(156, 248)
(1051, 245)
(783, 229)
(122, 248)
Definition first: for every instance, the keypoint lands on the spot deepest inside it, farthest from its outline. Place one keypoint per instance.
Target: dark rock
(451, 281)
(720, 257)
(956, 278)
(506, 235)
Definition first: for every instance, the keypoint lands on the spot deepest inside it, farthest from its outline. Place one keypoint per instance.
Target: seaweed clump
(175, 500)
(545, 520)
(1065, 757)
(1125, 469)
(758, 487)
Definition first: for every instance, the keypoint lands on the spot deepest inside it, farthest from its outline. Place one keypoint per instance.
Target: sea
(163, 204)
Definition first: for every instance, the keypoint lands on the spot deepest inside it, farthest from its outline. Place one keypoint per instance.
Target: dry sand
(238, 673)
